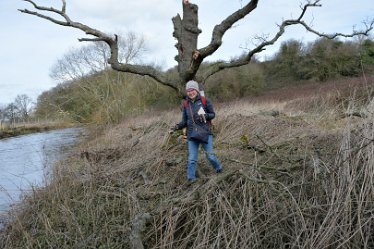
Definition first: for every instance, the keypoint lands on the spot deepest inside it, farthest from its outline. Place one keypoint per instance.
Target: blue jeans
(193, 151)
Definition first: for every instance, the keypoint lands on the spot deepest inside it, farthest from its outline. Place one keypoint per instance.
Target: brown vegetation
(297, 174)
(12, 130)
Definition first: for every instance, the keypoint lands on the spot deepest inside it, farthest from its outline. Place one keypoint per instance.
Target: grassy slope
(297, 173)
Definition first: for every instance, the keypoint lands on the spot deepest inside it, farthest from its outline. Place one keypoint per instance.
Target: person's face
(191, 93)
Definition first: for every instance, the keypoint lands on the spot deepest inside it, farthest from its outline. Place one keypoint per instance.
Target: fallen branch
(270, 148)
(137, 229)
(145, 177)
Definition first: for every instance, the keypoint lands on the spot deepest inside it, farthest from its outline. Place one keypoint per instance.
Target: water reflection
(25, 161)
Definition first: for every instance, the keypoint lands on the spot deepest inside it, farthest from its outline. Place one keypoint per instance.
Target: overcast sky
(30, 45)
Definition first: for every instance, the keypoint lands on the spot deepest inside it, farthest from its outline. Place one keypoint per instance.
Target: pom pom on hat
(192, 85)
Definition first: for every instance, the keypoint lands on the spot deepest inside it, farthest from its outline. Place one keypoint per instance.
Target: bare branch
(220, 30)
(26, 11)
(48, 9)
(63, 6)
(90, 39)
(112, 42)
(246, 59)
(368, 28)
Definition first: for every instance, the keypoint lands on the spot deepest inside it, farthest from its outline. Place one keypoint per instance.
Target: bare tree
(186, 31)
(23, 104)
(93, 58)
(10, 113)
(2, 115)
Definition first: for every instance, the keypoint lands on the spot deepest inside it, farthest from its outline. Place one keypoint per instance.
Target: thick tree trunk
(186, 32)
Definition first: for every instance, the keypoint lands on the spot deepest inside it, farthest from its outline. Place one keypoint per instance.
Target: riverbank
(29, 128)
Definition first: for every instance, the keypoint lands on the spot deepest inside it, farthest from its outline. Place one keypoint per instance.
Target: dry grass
(17, 129)
(296, 175)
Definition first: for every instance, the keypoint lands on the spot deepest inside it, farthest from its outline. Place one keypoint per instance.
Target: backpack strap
(185, 103)
(203, 100)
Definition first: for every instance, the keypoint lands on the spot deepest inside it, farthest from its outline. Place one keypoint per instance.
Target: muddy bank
(24, 130)
(21, 131)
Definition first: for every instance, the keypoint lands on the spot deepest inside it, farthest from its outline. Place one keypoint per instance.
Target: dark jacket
(195, 106)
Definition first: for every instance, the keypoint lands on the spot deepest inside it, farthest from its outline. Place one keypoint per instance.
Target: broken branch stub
(186, 31)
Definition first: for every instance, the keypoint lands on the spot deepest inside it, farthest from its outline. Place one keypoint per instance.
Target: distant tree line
(296, 63)
(89, 91)
(20, 110)
(322, 60)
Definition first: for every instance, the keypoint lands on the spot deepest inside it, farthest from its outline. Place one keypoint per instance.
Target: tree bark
(186, 31)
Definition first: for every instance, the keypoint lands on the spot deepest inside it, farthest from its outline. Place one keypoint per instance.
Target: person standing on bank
(197, 115)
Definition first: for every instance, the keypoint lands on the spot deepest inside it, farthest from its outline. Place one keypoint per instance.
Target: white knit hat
(192, 85)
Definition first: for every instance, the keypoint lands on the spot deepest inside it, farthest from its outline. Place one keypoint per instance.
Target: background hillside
(297, 173)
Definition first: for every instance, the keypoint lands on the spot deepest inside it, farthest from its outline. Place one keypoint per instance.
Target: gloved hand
(173, 129)
(202, 118)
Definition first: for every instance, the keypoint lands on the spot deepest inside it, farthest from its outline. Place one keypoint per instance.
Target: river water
(26, 161)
